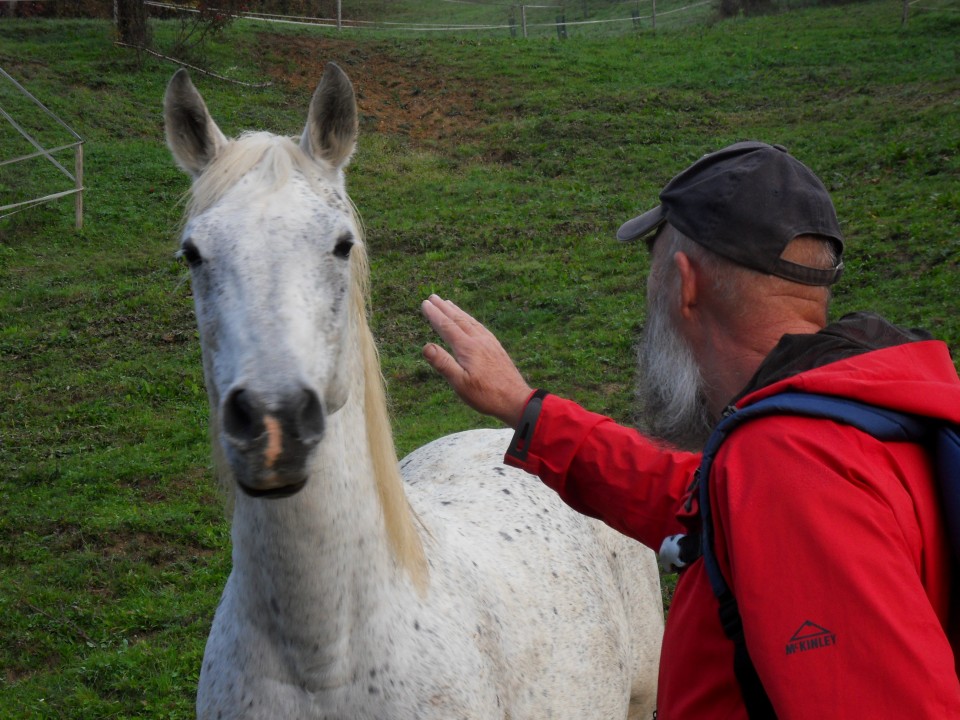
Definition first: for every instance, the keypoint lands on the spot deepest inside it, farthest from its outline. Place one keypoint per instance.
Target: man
(831, 541)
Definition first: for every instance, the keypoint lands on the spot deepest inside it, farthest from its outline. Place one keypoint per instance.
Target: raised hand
(479, 369)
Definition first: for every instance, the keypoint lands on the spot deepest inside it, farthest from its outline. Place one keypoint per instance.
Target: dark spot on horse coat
(505, 536)
(499, 471)
(505, 491)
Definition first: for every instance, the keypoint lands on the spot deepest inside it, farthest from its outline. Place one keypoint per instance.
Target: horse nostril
(242, 420)
(298, 417)
(309, 418)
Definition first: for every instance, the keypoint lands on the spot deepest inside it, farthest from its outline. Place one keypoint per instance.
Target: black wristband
(520, 443)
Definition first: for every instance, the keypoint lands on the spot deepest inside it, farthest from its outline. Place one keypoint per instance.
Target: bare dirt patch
(396, 93)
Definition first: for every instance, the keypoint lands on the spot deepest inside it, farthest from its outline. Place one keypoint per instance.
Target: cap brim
(642, 224)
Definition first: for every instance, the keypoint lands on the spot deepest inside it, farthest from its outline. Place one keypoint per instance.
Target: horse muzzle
(269, 443)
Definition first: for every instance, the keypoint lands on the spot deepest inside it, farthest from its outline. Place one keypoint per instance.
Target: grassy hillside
(494, 171)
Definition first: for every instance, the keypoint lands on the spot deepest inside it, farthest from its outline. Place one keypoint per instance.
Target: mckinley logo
(810, 636)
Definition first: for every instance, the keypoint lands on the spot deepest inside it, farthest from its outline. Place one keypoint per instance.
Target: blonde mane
(398, 516)
(277, 157)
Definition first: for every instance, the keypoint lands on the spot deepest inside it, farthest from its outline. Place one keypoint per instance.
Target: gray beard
(670, 385)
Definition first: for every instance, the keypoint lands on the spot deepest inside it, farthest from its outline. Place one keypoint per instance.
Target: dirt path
(396, 93)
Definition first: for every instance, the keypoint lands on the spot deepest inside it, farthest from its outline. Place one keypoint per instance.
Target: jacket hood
(863, 357)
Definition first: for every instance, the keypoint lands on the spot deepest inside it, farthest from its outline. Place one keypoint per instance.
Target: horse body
(566, 611)
(466, 589)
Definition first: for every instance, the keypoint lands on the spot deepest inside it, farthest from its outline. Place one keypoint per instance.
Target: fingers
(443, 362)
(454, 327)
(450, 322)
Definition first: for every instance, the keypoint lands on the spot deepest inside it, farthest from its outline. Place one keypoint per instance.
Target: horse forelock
(269, 159)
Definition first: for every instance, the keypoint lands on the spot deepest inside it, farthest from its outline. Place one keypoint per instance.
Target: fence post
(513, 25)
(635, 15)
(523, 20)
(339, 15)
(562, 27)
(653, 14)
(78, 180)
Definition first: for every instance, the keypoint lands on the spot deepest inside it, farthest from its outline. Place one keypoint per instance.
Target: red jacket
(831, 541)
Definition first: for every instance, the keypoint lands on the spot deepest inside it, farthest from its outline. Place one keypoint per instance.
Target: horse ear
(192, 135)
(331, 131)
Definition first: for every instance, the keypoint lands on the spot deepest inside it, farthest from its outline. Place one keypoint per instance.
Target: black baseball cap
(746, 202)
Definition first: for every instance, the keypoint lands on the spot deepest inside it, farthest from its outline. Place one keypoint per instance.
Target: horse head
(269, 234)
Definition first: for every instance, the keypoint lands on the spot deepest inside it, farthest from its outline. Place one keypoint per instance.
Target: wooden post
(78, 179)
(906, 8)
(339, 15)
(653, 15)
(523, 19)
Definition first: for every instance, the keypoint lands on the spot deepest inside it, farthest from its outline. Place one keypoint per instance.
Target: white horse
(464, 589)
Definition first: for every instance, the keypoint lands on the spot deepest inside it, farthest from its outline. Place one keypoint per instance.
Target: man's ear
(689, 291)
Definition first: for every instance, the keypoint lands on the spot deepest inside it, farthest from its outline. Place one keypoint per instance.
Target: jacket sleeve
(839, 565)
(606, 470)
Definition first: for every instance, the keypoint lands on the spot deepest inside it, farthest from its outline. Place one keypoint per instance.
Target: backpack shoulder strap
(948, 477)
(882, 423)
(879, 422)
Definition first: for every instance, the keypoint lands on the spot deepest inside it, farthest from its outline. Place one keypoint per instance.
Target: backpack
(883, 424)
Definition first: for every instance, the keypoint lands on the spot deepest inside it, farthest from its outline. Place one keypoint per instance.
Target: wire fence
(34, 159)
(561, 18)
(474, 17)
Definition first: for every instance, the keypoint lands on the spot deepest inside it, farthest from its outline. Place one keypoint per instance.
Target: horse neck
(335, 521)
(344, 542)
(308, 571)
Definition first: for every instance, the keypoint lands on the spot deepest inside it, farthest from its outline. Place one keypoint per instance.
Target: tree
(207, 19)
(131, 19)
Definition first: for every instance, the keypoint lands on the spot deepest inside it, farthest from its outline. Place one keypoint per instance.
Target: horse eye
(189, 252)
(343, 246)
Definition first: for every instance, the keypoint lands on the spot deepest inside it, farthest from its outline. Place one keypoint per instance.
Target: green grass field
(494, 171)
